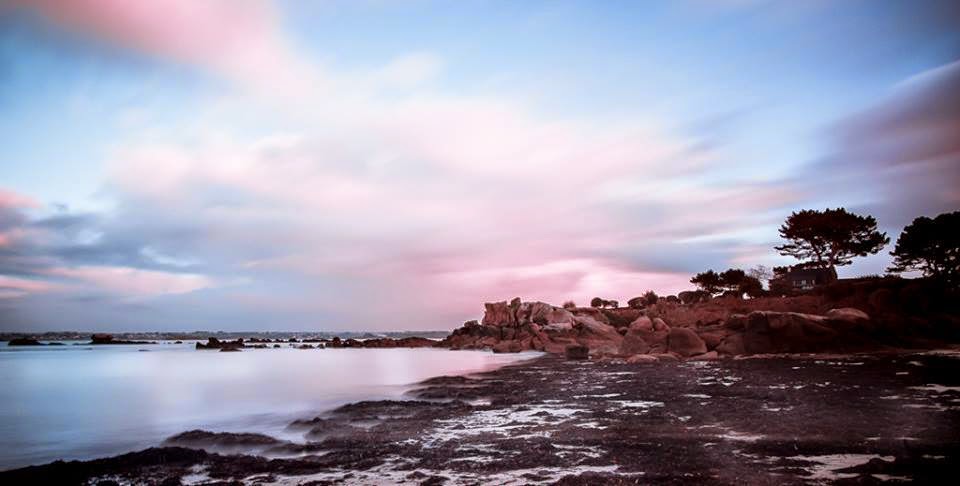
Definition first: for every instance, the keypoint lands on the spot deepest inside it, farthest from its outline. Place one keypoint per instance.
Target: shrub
(650, 297)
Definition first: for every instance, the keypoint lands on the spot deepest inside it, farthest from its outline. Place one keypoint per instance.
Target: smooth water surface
(81, 402)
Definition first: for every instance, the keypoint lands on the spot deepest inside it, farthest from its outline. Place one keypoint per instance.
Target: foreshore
(797, 419)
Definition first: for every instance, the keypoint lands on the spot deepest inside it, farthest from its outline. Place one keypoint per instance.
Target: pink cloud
(236, 38)
(454, 231)
(134, 282)
(13, 200)
(12, 287)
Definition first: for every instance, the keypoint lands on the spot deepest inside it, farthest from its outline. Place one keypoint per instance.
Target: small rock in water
(641, 358)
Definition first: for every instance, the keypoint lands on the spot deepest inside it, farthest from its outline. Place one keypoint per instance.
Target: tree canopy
(708, 281)
(828, 238)
(732, 279)
(930, 246)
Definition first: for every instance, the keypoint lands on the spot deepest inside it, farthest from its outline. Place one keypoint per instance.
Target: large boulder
(543, 313)
(787, 332)
(508, 347)
(736, 322)
(500, 313)
(713, 337)
(685, 342)
(633, 343)
(599, 337)
(558, 329)
(592, 312)
(577, 351)
(847, 314)
(732, 345)
(642, 323)
(646, 335)
(641, 358)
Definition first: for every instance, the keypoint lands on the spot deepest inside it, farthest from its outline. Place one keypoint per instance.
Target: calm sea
(81, 402)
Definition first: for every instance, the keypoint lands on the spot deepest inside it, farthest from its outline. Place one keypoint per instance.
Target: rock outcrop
(24, 342)
(214, 343)
(109, 339)
(520, 326)
(516, 326)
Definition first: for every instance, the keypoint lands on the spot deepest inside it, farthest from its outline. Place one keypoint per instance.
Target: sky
(388, 165)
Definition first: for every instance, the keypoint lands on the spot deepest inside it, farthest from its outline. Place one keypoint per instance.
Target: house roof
(811, 272)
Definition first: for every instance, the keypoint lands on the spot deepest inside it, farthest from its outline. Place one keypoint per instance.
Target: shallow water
(81, 402)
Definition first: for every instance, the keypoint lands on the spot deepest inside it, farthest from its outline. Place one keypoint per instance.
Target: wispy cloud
(239, 39)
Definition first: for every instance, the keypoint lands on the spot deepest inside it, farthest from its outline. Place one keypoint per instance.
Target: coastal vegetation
(830, 238)
(932, 247)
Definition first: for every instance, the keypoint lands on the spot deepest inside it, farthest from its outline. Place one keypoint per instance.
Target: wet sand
(797, 420)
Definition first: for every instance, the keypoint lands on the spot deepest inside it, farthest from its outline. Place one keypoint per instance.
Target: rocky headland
(868, 315)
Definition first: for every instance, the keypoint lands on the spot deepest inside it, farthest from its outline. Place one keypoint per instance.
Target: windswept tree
(738, 281)
(751, 286)
(830, 238)
(731, 279)
(930, 246)
(708, 281)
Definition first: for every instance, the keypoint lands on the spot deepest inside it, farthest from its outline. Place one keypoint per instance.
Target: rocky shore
(869, 315)
(854, 419)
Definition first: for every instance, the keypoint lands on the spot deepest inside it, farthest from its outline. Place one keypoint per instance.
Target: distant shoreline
(222, 335)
